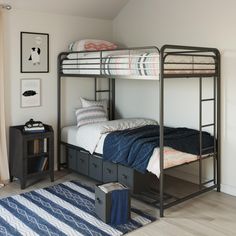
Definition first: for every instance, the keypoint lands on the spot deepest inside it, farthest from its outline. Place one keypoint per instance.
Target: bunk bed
(147, 63)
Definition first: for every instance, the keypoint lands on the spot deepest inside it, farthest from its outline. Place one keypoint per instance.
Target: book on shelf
(36, 146)
(45, 144)
(42, 163)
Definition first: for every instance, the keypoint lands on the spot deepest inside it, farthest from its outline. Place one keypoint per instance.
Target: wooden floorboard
(211, 214)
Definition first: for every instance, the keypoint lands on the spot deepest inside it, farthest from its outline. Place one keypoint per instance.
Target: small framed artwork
(34, 52)
(30, 93)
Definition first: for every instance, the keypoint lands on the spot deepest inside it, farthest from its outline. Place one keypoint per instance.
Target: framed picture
(30, 92)
(34, 52)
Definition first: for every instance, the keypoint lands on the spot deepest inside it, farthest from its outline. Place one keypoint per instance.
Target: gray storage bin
(110, 172)
(72, 158)
(82, 162)
(103, 205)
(131, 178)
(95, 168)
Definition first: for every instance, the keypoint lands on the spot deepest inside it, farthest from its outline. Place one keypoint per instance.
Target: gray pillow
(90, 115)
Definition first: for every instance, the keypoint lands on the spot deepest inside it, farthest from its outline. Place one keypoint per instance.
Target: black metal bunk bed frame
(163, 53)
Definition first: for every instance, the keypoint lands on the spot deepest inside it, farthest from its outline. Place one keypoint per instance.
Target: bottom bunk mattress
(91, 138)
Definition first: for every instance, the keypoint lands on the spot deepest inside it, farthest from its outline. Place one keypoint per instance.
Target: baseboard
(228, 189)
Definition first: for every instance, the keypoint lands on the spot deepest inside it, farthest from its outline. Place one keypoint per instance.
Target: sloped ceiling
(102, 9)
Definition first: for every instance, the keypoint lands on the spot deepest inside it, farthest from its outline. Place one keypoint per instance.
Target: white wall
(62, 30)
(185, 22)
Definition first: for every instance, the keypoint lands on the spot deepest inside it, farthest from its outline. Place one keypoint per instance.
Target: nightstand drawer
(126, 176)
(95, 168)
(109, 172)
(82, 163)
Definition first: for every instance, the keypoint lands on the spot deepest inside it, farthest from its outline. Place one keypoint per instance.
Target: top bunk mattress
(136, 64)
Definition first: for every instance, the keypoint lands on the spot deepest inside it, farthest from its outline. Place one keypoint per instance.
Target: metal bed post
(95, 88)
(161, 125)
(59, 114)
(200, 133)
(215, 129)
(113, 99)
(218, 120)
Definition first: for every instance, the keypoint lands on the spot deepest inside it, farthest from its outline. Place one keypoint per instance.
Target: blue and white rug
(64, 209)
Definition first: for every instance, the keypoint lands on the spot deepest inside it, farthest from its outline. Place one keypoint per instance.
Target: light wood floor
(212, 214)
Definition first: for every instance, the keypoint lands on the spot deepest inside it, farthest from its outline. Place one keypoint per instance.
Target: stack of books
(34, 129)
(34, 126)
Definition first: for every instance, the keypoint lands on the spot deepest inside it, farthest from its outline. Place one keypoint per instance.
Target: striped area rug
(63, 209)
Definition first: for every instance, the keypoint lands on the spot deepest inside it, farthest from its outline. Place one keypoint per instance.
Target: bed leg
(161, 194)
(161, 212)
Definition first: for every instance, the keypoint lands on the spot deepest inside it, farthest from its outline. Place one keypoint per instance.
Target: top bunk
(171, 61)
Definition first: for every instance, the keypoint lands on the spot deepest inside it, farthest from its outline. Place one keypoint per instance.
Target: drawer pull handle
(125, 176)
(95, 165)
(109, 170)
(98, 200)
(82, 160)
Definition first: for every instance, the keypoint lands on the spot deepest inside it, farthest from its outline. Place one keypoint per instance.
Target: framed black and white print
(30, 93)
(34, 52)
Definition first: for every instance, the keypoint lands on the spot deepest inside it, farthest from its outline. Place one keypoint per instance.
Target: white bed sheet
(87, 137)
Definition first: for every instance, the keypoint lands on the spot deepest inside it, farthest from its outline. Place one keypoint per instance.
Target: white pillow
(89, 103)
(90, 115)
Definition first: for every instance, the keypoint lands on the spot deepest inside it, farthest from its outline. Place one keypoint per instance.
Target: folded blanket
(119, 207)
(134, 147)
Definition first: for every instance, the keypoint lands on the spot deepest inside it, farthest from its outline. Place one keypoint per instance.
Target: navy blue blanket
(134, 147)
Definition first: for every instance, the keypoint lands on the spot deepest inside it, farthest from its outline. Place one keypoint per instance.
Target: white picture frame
(30, 93)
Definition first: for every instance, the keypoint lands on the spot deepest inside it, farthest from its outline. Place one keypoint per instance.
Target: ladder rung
(102, 91)
(208, 125)
(208, 99)
(207, 182)
(208, 148)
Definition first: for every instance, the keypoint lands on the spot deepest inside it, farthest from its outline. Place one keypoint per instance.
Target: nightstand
(31, 154)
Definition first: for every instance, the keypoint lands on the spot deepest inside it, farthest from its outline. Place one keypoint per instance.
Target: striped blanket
(63, 209)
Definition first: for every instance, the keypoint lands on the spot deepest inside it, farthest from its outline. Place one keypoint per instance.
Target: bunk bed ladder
(111, 96)
(201, 127)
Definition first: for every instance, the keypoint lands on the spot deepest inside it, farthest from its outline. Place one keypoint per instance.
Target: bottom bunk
(85, 155)
(144, 187)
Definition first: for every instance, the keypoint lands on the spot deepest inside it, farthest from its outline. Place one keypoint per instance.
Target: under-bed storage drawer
(132, 179)
(72, 158)
(95, 168)
(109, 172)
(82, 163)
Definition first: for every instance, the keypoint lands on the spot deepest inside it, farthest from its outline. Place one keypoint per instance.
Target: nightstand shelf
(31, 154)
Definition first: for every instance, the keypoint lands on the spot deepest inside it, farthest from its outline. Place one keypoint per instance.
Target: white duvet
(91, 138)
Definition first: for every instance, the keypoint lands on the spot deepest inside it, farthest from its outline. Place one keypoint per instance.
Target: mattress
(142, 64)
(84, 138)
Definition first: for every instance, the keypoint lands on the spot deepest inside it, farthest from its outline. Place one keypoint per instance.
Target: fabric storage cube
(133, 179)
(72, 158)
(82, 163)
(95, 168)
(106, 206)
(110, 172)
